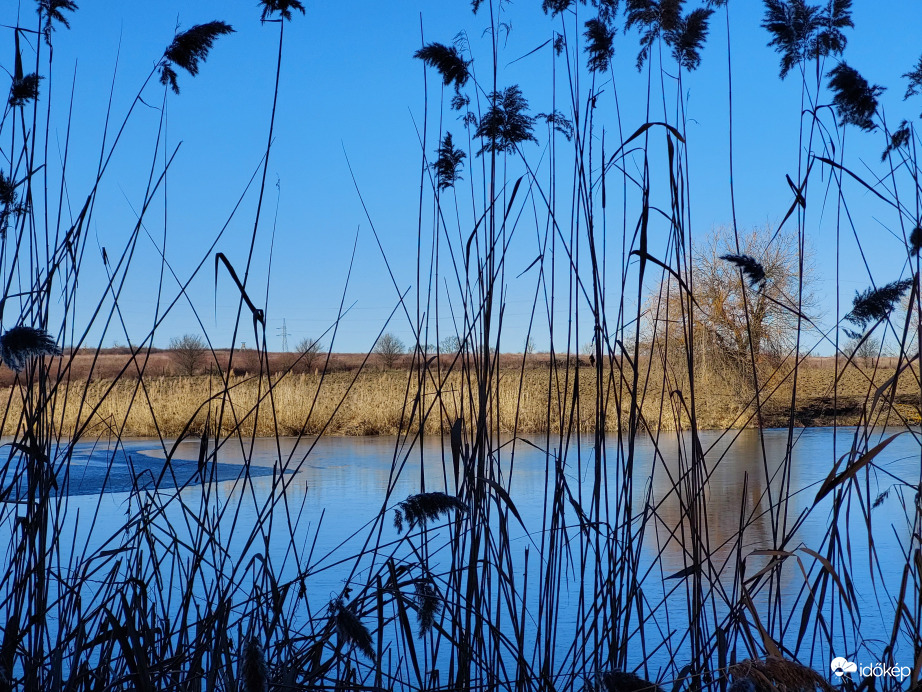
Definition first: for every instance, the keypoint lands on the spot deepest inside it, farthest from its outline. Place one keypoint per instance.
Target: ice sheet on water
(90, 468)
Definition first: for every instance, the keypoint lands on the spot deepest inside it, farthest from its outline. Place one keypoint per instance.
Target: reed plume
(282, 7)
(428, 604)
(855, 100)
(254, 667)
(447, 60)
(350, 629)
(801, 31)
(555, 7)
(753, 269)
(23, 90)
(7, 200)
(915, 80)
(791, 26)
(688, 37)
(459, 101)
(880, 499)
(915, 241)
(898, 140)
(607, 9)
(875, 304)
(652, 17)
(506, 124)
(420, 508)
(663, 18)
(448, 164)
(7, 190)
(190, 48)
(600, 44)
(53, 10)
(833, 18)
(22, 343)
(559, 122)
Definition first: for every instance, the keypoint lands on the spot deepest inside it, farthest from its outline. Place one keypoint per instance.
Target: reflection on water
(345, 479)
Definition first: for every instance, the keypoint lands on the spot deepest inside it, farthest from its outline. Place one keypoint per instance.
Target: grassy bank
(536, 398)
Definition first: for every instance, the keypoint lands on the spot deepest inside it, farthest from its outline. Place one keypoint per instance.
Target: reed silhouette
(189, 49)
(637, 568)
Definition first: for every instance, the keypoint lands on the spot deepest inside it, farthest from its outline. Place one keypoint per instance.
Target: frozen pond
(310, 508)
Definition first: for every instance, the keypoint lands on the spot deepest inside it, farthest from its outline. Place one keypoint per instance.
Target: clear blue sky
(349, 83)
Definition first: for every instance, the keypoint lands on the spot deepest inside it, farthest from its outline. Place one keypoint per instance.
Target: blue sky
(351, 87)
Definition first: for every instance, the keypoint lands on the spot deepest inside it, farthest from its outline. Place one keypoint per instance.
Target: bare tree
(388, 347)
(733, 315)
(867, 350)
(310, 350)
(188, 352)
(450, 345)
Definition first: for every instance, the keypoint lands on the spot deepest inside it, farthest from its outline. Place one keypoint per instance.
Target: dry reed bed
(374, 404)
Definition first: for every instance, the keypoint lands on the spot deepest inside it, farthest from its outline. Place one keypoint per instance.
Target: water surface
(334, 488)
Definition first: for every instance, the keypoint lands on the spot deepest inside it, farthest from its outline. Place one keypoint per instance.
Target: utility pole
(284, 332)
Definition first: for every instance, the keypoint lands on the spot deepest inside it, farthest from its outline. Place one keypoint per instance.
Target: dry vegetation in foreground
(351, 400)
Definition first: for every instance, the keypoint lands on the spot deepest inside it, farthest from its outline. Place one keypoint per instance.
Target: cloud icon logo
(840, 666)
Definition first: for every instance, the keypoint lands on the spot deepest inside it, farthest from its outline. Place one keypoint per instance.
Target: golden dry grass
(534, 400)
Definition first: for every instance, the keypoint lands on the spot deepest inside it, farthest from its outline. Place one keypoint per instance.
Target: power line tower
(284, 333)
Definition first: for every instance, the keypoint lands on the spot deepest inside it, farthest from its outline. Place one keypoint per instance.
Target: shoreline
(538, 399)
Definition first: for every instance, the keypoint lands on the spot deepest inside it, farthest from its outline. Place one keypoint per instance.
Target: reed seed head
(255, 677)
(855, 100)
(899, 139)
(876, 303)
(688, 37)
(505, 124)
(447, 60)
(420, 508)
(282, 7)
(7, 190)
(915, 241)
(752, 269)
(23, 90)
(428, 604)
(350, 628)
(915, 80)
(804, 32)
(22, 343)
(559, 122)
(188, 49)
(600, 44)
(449, 163)
(53, 10)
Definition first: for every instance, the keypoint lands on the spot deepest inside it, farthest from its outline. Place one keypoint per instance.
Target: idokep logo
(840, 666)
